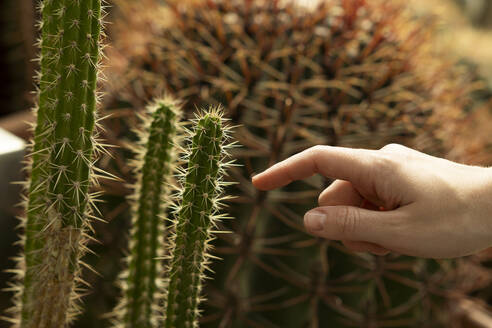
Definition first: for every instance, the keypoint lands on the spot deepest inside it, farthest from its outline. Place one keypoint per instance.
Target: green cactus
(196, 215)
(59, 204)
(142, 283)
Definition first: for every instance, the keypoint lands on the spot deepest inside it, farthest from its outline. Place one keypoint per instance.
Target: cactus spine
(142, 283)
(195, 217)
(59, 203)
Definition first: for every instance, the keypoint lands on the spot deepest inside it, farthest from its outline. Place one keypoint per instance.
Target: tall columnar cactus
(59, 204)
(142, 283)
(196, 214)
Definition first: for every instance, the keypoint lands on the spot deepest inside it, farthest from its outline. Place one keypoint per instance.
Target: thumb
(352, 223)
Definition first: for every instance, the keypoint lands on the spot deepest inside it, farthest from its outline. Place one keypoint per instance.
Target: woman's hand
(393, 199)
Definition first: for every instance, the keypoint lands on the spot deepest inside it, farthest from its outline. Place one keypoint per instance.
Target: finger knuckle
(384, 163)
(347, 220)
(393, 147)
(315, 149)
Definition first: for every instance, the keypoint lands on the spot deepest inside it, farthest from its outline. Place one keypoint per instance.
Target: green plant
(59, 204)
(345, 73)
(141, 283)
(196, 215)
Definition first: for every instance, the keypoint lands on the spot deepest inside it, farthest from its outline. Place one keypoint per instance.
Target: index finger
(334, 162)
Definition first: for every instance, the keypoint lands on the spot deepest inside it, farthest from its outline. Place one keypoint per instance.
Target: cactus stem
(59, 205)
(196, 215)
(142, 283)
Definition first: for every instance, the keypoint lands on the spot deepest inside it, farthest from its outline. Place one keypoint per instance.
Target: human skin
(393, 199)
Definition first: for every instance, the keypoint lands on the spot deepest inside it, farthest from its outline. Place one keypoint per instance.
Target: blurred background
(464, 28)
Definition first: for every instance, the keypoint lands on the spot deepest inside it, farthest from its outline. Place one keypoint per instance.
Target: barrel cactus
(340, 72)
(59, 203)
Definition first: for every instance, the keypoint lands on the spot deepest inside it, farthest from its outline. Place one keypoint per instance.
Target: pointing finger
(335, 162)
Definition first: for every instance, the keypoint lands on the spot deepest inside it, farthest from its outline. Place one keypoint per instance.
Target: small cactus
(142, 283)
(58, 206)
(196, 216)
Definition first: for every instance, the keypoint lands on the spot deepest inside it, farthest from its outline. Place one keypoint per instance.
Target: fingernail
(314, 221)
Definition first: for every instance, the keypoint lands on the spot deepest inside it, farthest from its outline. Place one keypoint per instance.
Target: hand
(393, 199)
